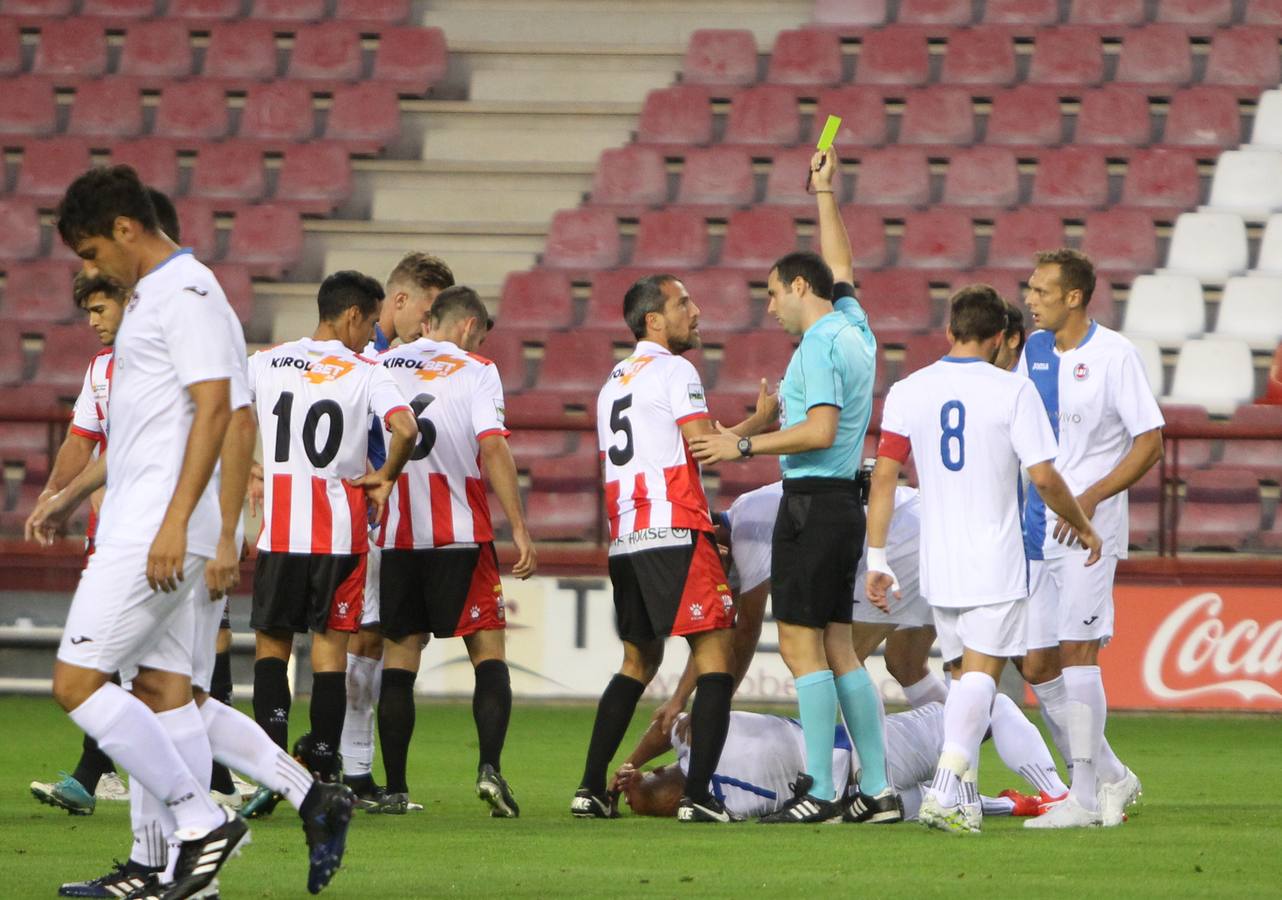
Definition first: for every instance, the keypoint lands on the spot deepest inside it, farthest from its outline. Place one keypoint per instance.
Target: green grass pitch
(1209, 826)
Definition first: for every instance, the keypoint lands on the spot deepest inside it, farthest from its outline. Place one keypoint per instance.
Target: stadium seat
(676, 115)
(1041, 13)
(1156, 55)
(579, 470)
(366, 117)
(982, 176)
(192, 110)
(1103, 303)
(1165, 308)
(1019, 235)
(897, 299)
(1068, 55)
(757, 355)
(280, 113)
(1195, 453)
(289, 10)
(755, 238)
(330, 51)
(893, 176)
(13, 361)
(28, 107)
(1244, 56)
(1210, 246)
(47, 8)
(205, 11)
(39, 290)
(582, 239)
(230, 171)
(721, 56)
(787, 182)
(236, 284)
(863, 115)
(937, 239)
(1161, 178)
(1143, 509)
(156, 162)
(766, 114)
(119, 9)
(806, 57)
(383, 12)
(893, 56)
(671, 238)
(537, 299)
(1247, 182)
(633, 177)
(241, 52)
(1251, 311)
(157, 51)
(19, 229)
(1106, 12)
(576, 361)
(562, 516)
(314, 178)
(1266, 129)
(196, 219)
(604, 312)
(850, 12)
(10, 48)
(1206, 13)
(1151, 356)
(935, 12)
(717, 176)
(411, 59)
(1074, 177)
(980, 56)
(923, 351)
(1270, 259)
(1261, 457)
(867, 232)
(1263, 12)
(1009, 283)
(506, 349)
(1025, 115)
(67, 349)
(1113, 115)
(1273, 383)
(49, 165)
(724, 299)
(1221, 510)
(746, 476)
(1214, 373)
(110, 108)
(267, 239)
(1121, 241)
(71, 48)
(938, 115)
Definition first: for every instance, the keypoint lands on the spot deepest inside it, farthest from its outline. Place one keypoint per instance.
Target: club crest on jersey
(439, 367)
(630, 368)
(697, 397)
(500, 410)
(331, 368)
(1080, 372)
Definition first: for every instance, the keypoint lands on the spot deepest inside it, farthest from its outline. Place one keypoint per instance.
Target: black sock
(492, 708)
(709, 722)
(92, 766)
(220, 779)
(396, 725)
(329, 708)
(220, 683)
(613, 714)
(272, 700)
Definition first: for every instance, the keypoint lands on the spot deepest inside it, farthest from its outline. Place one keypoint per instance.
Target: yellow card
(829, 133)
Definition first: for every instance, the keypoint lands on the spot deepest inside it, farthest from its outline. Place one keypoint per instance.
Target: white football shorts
(997, 629)
(1069, 601)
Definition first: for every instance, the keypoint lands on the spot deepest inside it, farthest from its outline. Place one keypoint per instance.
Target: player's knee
(73, 685)
(905, 671)
(1038, 668)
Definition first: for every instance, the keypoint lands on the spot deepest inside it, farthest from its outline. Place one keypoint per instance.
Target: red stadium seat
(411, 59)
(562, 516)
(1072, 56)
(366, 117)
(897, 299)
(921, 352)
(1008, 283)
(13, 361)
(757, 355)
(786, 183)
(330, 51)
(1113, 115)
(192, 110)
(894, 176)
(1273, 385)
(576, 361)
(280, 112)
(1194, 454)
(156, 162)
(755, 238)
(867, 231)
(1261, 457)
(230, 171)
(717, 176)
(676, 115)
(19, 229)
(1121, 240)
(506, 349)
(850, 12)
(935, 12)
(71, 47)
(720, 56)
(938, 115)
(156, 51)
(67, 350)
(805, 56)
(236, 284)
(1203, 117)
(119, 9)
(1263, 12)
(980, 56)
(1021, 12)
(383, 12)
(938, 239)
(671, 238)
(537, 299)
(289, 10)
(267, 239)
(107, 108)
(605, 300)
(196, 219)
(10, 47)
(39, 290)
(579, 470)
(28, 107)
(894, 56)
(766, 114)
(1027, 114)
(1156, 54)
(47, 8)
(863, 115)
(315, 178)
(1205, 13)
(243, 52)
(1164, 178)
(724, 299)
(208, 11)
(1106, 12)
(582, 239)
(1019, 235)
(982, 176)
(49, 165)
(633, 176)
(745, 476)
(1221, 509)
(1071, 176)
(1244, 56)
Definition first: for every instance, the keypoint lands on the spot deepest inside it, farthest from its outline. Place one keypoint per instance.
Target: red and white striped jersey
(89, 417)
(314, 400)
(651, 480)
(457, 396)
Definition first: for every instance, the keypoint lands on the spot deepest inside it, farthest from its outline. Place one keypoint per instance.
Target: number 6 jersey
(651, 480)
(314, 400)
(970, 426)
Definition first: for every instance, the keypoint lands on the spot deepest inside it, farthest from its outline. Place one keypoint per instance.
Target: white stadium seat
(1248, 182)
(1267, 130)
(1215, 373)
(1166, 308)
(1151, 356)
(1270, 261)
(1251, 311)
(1210, 246)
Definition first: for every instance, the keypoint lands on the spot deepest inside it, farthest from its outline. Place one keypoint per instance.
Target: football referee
(827, 402)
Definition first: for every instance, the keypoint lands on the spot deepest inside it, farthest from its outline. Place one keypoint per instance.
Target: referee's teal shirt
(834, 366)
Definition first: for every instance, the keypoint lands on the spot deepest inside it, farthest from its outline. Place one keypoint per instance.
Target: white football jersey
(314, 400)
(457, 396)
(1097, 399)
(89, 416)
(651, 480)
(174, 334)
(971, 427)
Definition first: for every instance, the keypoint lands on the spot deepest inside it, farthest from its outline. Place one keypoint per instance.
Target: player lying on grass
(763, 757)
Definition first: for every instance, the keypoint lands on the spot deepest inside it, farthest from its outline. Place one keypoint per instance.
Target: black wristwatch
(745, 447)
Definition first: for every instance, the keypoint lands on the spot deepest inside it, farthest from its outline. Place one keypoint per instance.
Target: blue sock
(817, 700)
(863, 715)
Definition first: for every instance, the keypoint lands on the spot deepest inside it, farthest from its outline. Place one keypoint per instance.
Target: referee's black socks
(272, 699)
(396, 725)
(492, 708)
(613, 714)
(709, 722)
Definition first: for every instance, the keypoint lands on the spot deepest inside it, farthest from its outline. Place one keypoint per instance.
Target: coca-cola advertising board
(1195, 647)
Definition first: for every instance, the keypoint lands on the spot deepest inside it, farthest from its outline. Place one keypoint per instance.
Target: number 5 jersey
(314, 400)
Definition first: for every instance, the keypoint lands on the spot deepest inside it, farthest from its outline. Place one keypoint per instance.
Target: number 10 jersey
(314, 400)
(651, 480)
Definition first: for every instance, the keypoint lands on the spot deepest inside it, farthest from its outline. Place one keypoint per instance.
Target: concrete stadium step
(600, 72)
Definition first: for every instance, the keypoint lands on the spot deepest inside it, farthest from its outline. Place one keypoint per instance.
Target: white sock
(966, 717)
(969, 785)
(1053, 701)
(1087, 711)
(997, 806)
(131, 734)
(239, 744)
(186, 729)
(1022, 749)
(364, 676)
(930, 689)
(151, 824)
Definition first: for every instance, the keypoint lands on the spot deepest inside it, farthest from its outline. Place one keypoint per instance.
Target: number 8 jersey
(314, 400)
(651, 480)
(970, 426)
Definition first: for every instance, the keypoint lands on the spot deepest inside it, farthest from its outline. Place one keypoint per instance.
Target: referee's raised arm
(834, 242)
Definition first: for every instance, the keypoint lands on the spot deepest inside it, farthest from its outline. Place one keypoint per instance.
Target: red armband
(894, 446)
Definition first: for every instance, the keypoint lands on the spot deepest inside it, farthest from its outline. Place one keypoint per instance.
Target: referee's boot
(804, 809)
(494, 790)
(885, 808)
(587, 805)
(707, 810)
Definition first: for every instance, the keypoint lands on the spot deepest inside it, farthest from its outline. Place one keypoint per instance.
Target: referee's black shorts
(815, 549)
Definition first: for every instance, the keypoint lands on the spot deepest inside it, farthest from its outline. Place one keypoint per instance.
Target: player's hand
(1066, 533)
(527, 562)
(378, 487)
(255, 489)
(624, 778)
(48, 518)
(666, 714)
(767, 411)
(1093, 544)
(166, 557)
(823, 169)
(222, 573)
(714, 448)
(880, 580)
